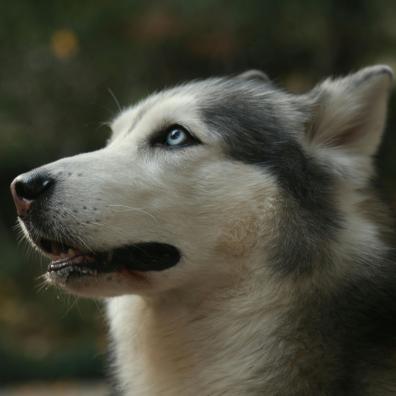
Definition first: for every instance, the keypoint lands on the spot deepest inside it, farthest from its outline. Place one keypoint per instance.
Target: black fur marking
(357, 323)
(342, 336)
(254, 132)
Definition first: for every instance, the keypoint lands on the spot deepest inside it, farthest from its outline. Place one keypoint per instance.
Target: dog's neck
(266, 334)
(219, 344)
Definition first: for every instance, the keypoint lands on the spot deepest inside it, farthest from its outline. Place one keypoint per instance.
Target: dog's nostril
(30, 187)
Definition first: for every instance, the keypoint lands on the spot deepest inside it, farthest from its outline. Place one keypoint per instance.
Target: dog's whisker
(111, 227)
(43, 283)
(133, 209)
(116, 101)
(74, 303)
(62, 231)
(84, 243)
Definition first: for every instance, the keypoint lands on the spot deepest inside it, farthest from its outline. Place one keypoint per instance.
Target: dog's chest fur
(185, 350)
(229, 346)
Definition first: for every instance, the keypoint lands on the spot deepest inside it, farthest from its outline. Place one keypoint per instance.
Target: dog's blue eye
(176, 137)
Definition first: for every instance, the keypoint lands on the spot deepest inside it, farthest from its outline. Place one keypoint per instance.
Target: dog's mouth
(69, 261)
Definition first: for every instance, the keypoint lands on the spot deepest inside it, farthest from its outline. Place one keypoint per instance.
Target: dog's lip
(64, 255)
(137, 257)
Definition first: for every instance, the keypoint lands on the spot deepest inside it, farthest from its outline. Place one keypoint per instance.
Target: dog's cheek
(252, 228)
(239, 237)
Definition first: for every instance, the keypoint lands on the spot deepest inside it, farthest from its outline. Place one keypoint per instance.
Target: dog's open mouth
(68, 261)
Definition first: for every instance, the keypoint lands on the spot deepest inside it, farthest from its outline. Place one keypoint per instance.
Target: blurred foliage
(63, 64)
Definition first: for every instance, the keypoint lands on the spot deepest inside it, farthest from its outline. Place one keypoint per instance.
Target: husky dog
(233, 230)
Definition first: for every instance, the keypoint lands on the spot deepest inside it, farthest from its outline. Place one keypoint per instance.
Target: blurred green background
(62, 64)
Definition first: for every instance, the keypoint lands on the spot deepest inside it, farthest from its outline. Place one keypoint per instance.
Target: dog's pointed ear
(350, 112)
(255, 75)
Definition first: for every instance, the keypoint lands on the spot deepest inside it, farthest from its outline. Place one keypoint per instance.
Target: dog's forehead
(161, 109)
(226, 99)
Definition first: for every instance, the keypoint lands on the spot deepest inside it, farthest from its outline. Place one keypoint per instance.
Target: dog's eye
(173, 137)
(176, 137)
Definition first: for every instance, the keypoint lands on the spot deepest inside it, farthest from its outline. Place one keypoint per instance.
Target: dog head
(206, 183)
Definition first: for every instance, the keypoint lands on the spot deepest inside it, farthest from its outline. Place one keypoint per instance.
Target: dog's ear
(253, 74)
(350, 112)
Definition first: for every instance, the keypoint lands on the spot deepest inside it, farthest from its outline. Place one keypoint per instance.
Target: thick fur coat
(265, 258)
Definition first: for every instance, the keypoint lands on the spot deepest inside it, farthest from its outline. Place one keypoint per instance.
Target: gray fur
(260, 125)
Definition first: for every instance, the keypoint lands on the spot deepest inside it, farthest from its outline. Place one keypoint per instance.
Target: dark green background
(61, 62)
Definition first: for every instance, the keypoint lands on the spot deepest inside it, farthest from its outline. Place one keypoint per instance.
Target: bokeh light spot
(64, 44)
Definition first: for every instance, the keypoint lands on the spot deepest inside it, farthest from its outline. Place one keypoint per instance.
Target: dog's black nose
(27, 188)
(30, 187)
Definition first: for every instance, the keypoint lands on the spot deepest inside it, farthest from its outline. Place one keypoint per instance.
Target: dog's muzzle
(32, 193)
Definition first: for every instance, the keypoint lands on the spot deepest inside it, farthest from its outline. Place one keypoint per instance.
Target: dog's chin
(80, 282)
(105, 273)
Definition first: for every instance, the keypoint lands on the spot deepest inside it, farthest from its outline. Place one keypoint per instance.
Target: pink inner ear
(350, 112)
(344, 139)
